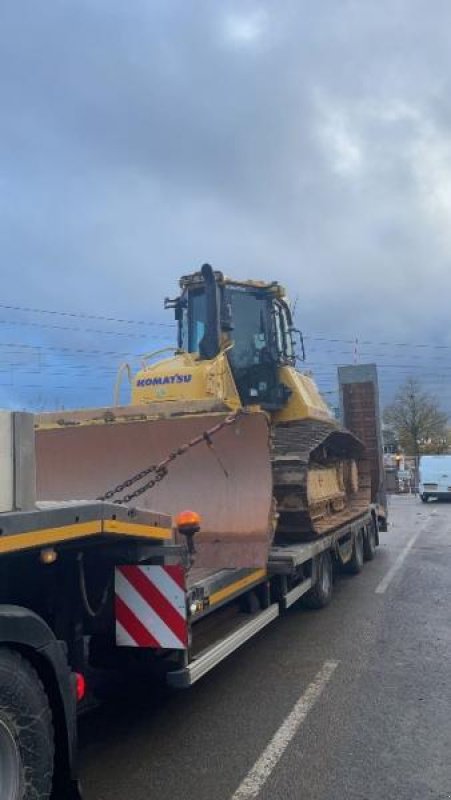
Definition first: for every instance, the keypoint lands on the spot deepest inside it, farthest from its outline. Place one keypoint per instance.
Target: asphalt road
(349, 703)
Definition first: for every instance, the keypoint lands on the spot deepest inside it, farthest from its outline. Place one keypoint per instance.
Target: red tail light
(80, 686)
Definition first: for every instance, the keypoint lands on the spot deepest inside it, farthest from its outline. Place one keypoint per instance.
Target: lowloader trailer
(294, 571)
(101, 584)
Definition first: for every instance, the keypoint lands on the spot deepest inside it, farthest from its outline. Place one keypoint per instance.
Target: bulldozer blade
(81, 455)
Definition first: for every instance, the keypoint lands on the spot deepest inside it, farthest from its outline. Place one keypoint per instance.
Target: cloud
(341, 144)
(309, 145)
(245, 28)
(431, 156)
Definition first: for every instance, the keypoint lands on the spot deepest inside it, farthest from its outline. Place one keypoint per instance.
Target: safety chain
(161, 470)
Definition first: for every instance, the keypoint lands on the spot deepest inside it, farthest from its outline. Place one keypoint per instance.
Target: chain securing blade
(159, 471)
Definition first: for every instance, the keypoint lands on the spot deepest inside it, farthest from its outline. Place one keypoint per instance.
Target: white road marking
(394, 569)
(263, 767)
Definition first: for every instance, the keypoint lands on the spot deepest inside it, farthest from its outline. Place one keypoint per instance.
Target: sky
(299, 141)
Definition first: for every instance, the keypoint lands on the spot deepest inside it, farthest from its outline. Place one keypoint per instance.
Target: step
(294, 594)
(205, 661)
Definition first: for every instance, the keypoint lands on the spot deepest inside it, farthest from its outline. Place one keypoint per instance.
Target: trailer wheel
(320, 594)
(26, 731)
(369, 541)
(355, 565)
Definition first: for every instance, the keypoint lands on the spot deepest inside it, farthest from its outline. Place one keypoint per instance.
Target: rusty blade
(82, 461)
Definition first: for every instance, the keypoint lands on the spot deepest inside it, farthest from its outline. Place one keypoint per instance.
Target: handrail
(117, 386)
(157, 353)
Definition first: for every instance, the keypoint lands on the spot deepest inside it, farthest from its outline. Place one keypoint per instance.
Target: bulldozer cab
(249, 320)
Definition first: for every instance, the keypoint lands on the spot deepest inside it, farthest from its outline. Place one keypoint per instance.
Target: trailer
(302, 570)
(57, 625)
(89, 585)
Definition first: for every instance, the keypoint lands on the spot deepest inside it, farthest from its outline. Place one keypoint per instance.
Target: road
(349, 703)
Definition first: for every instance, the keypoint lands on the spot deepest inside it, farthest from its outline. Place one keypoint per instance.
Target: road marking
(263, 767)
(394, 569)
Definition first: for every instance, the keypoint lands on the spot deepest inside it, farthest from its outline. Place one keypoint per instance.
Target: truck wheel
(369, 542)
(26, 731)
(320, 594)
(424, 498)
(355, 565)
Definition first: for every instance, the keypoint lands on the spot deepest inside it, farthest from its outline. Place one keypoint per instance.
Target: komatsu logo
(164, 381)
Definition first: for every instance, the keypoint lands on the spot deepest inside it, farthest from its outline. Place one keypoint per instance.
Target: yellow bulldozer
(226, 424)
(237, 348)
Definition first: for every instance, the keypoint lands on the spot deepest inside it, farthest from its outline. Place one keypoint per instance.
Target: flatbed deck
(285, 558)
(62, 523)
(278, 586)
(208, 590)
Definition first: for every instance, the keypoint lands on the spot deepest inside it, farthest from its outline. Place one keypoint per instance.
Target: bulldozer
(226, 423)
(237, 346)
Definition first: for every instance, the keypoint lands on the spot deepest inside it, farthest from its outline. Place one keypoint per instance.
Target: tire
(320, 594)
(26, 731)
(424, 498)
(355, 565)
(370, 542)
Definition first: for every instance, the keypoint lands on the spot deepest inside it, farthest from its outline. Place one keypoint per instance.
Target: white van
(435, 477)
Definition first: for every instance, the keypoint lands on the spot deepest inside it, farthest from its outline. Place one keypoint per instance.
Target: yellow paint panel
(305, 400)
(232, 588)
(45, 536)
(186, 379)
(136, 529)
(80, 530)
(324, 484)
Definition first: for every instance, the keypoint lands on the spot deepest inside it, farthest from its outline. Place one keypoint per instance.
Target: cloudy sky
(303, 141)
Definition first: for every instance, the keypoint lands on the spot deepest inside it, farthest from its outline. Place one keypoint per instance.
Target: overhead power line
(151, 323)
(82, 315)
(380, 365)
(78, 329)
(48, 388)
(314, 338)
(53, 348)
(364, 354)
(126, 321)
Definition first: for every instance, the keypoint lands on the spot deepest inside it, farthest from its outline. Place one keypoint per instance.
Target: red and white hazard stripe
(150, 607)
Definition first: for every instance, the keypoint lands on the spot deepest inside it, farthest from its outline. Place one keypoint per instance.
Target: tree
(417, 420)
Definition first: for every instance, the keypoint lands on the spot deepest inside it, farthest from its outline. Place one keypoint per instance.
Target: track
(309, 448)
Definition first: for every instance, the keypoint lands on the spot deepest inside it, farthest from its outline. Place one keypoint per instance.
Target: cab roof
(195, 279)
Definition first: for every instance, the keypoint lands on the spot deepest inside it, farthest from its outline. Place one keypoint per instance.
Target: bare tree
(417, 420)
